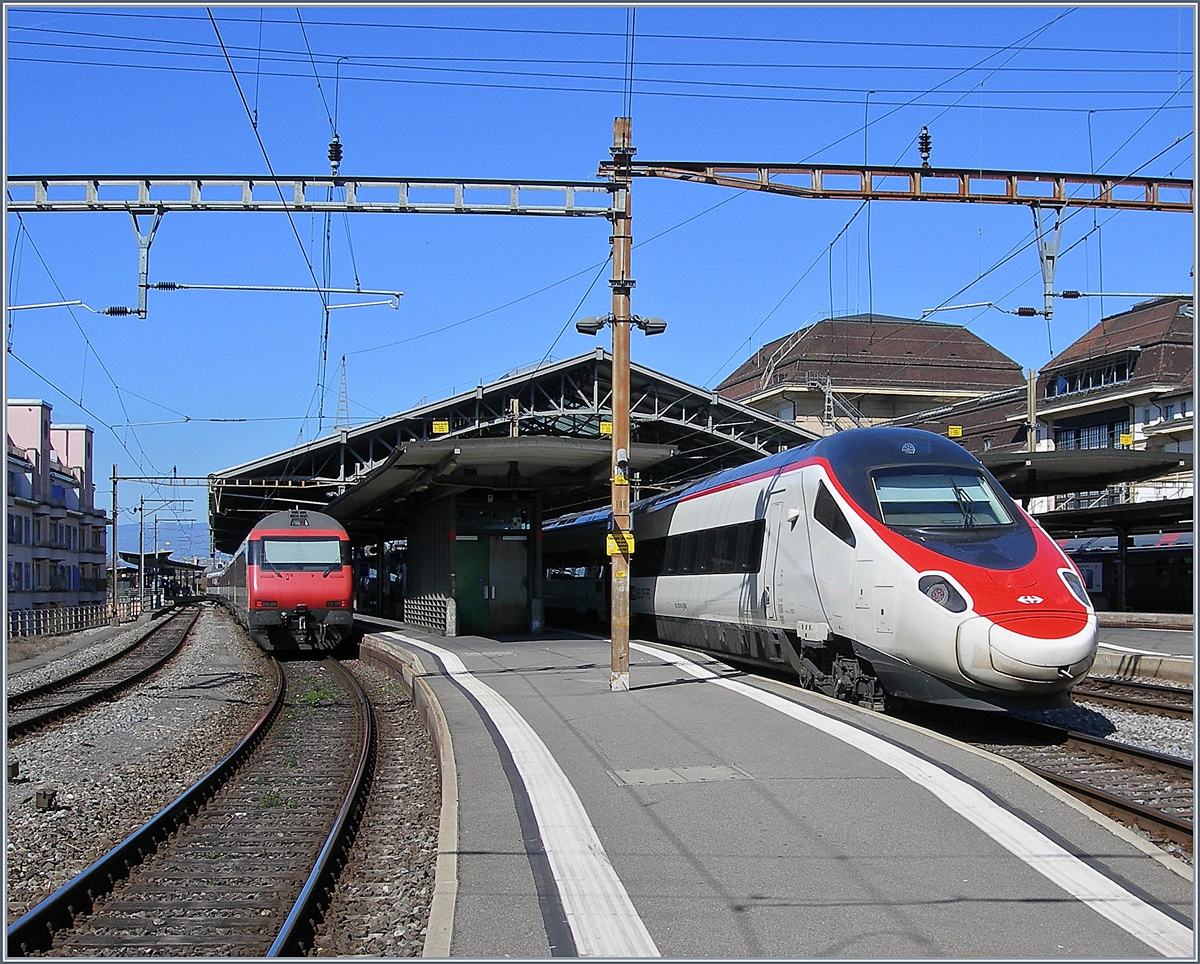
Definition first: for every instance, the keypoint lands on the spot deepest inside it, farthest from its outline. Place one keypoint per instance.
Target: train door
(472, 593)
(793, 585)
(509, 578)
(773, 579)
(834, 556)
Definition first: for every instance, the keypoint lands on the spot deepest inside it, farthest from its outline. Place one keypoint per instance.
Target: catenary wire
(369, 25)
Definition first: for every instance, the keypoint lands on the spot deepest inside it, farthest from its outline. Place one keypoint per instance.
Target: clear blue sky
(531, 93)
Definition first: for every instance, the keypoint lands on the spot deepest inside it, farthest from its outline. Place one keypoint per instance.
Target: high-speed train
(290, 583)
(877, 562)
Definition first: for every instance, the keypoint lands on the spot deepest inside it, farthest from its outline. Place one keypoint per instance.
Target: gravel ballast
(117, 764)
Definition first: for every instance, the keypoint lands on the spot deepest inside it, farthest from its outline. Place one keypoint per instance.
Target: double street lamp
(592, 324)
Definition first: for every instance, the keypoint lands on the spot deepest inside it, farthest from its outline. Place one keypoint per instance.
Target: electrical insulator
(1028, 312)
(118, 310)
(924, 145)
(335, 154)
(1071, 294)
(166, 285)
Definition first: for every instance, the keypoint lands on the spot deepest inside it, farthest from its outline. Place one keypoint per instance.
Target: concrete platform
(704, 814)
(1146, 649)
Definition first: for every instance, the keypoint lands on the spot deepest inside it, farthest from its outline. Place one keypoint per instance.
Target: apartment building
(56, 543)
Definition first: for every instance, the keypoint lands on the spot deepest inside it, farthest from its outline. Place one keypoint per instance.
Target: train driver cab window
(827, 512)
(940, 498)
(295, 554)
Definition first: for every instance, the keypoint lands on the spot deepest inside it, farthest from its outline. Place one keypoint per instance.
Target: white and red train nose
(1019, 652)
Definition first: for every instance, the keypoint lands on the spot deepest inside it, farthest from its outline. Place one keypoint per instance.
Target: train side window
(829, 514)
(649, 558)
(750, 552)
(670, 564)
(704, 549)
(725, 549)
(687, 553)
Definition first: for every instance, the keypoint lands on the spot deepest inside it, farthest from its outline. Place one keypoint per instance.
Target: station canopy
(1027, 474)
(539, 430)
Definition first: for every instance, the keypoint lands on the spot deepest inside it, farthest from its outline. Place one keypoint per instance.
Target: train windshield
(293, 553)
(939, 498)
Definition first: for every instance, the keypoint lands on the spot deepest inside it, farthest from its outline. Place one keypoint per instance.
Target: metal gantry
(976, 185)
(149, 194)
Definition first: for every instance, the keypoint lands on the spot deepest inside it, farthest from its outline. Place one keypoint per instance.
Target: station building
(870, 369)
(55, 542)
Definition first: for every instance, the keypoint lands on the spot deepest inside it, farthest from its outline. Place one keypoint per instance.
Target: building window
(1085, 379)
(1104, 436)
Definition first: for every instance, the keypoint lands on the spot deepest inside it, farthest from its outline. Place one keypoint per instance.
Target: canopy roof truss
(685, 433)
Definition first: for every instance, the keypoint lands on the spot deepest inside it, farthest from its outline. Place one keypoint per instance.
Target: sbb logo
(1031, 600)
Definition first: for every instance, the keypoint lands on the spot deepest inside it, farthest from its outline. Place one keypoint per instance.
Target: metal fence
(55, 622)
(59, 621)
(433, 612)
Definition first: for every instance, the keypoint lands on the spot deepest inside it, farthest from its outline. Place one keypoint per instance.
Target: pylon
(342, 419)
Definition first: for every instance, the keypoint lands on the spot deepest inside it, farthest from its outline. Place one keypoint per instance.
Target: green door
(472, 586)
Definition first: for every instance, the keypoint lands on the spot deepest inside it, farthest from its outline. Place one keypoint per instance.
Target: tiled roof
(1149, 325)
(1161, 330)
(877, 350)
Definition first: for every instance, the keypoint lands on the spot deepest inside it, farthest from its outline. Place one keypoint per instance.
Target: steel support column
(116, 619)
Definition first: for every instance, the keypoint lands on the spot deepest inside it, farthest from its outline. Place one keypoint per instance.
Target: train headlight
(938, 589)
(1076, 586)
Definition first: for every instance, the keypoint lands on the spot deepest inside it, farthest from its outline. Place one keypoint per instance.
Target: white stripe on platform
(1144, 652)
(601, 916)
(1151, 926)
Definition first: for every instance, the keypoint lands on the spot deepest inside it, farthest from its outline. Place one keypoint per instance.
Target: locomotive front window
(293, 553)
(939, 498)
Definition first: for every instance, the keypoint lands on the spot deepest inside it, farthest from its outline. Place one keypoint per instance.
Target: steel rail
(299, 928)
(18, 699)
(35, 722)
(1154, 822)
(1086, 691)
(1151, 819)
(34, 931)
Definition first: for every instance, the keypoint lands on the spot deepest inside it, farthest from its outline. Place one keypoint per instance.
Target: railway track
(1142, 697)
(36, 708)
(1151, 791)
(241, 863)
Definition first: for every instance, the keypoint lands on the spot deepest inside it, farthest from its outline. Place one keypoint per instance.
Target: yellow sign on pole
(956, 431)
(1126, 439)
(606, 428)
(441, 428)
(619, 543)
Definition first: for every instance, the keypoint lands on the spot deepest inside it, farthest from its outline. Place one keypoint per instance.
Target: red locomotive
(290, 583)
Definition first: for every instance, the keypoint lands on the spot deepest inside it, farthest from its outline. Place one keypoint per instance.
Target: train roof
(856, 449)
(298, 519)
(851, 451)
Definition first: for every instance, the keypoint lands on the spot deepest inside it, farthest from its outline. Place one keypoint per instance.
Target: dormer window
(1093, 376)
